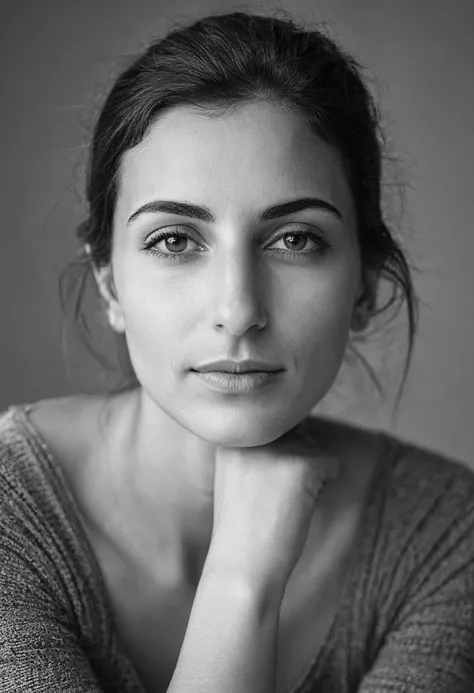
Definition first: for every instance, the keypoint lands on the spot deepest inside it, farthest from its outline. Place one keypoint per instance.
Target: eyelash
(180, 257)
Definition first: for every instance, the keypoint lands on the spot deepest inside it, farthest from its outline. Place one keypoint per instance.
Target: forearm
(231, 639)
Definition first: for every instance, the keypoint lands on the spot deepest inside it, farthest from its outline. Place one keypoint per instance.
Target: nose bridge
(238, 291)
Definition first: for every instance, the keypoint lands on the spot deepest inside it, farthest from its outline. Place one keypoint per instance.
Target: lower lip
(234, 383)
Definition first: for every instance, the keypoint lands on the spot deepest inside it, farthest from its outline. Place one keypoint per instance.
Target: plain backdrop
(58, 57)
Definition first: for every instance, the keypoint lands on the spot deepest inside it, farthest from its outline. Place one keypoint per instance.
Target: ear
(105, 282)
(365, 301)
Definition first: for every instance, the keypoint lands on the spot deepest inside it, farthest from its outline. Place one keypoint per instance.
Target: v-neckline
(71, 507)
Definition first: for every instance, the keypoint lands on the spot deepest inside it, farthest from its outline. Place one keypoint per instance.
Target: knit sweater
(404, 623)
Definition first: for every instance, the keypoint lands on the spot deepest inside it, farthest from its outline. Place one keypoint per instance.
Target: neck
(160, 479)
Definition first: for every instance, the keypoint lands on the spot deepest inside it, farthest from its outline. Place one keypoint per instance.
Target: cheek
(321, 326)
(157, 316)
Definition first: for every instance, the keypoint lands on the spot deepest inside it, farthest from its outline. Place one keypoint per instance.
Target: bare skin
(204, 266)
(152, 587)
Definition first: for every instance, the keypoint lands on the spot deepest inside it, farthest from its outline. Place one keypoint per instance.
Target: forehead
(258, 153)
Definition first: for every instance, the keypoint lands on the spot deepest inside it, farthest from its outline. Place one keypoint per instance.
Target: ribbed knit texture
(405, 623)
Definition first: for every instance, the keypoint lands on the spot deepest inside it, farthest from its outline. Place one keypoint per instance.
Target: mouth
(237, 367)
(238, 383)
(239, 372)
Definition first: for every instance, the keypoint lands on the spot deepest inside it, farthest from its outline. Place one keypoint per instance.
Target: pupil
(296, 235)
(174, 241)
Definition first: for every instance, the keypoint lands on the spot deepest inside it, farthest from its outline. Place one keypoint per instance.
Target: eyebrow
(204, 213)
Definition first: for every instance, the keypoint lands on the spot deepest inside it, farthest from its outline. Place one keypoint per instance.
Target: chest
(151, 616)
(151, 611)
(152, 633)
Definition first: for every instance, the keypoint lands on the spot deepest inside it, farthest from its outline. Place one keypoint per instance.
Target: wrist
(244, 583)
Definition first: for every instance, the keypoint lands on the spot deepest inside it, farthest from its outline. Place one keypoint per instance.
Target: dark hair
(213, 65)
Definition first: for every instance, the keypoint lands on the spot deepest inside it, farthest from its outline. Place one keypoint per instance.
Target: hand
(264, 499)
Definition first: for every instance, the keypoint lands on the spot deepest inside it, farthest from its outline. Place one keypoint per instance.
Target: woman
(201, 529)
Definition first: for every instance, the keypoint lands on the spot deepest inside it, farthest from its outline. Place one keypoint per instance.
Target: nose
(239, 295)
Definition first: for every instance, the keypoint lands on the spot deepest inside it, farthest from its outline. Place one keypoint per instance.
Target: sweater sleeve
(40, 650)
(428, 644)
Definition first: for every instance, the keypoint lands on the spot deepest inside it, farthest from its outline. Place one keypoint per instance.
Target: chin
(248, 432)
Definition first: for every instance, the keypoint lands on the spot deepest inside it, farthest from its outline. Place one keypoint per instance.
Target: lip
(235, 383)
(237, 367)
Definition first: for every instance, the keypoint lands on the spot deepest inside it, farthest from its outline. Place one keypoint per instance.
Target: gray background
(57, 57)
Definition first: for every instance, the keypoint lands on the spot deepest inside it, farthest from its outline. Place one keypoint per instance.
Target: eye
(296, 242)
(175, 243)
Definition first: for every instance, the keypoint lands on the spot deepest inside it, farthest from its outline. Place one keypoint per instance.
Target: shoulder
(34, 515)
(428, 517)
(427, 482)
(50, 608)
(71, 431)
(20, 454)
(412, 592)
(406, 465)
(417, 497)
(415, 560)
(67, 423)
(43, 449)
(420, 528)
(30, 435)
(70, 438)
(40, 523)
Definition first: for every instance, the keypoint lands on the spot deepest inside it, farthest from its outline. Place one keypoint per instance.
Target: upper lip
(228, 366)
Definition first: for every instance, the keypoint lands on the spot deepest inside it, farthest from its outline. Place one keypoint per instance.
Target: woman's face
(233, 284)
